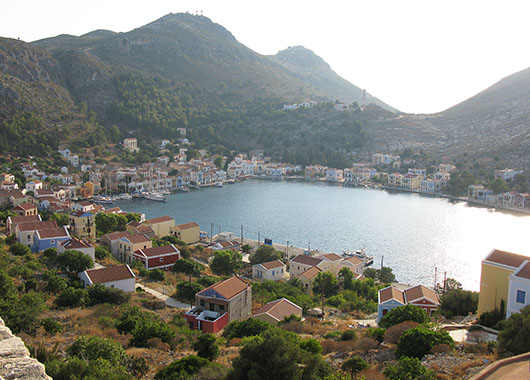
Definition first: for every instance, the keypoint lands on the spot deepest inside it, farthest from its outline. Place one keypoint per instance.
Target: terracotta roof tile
(331, 256)
(52, 233)
(307, 260)
(157, 251)
(135, 239)
(311, 273)
(102, 275)
(116, 235)
(279, 309)
(506, 258)
(75, 243)
(160, 219)
(25, 206)
(33, 226)
(25, 219)
(229, 287)
(524, 272)
(185, 226)
(420, 291)
(273, 264)
(391, 293)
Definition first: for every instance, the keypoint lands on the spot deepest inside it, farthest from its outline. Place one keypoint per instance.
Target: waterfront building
(394, 179)
(188, 232)
(161, 225)
(507, 174)
(411, 182)
(497, 268)
(223, 302)
(301, 263)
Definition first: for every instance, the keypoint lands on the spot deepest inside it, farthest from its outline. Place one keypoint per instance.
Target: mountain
(305, 65)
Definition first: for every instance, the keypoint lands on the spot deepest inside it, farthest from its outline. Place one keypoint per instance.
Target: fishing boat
(219, 184)
(231, 181)
(361, 254)
(153, 196)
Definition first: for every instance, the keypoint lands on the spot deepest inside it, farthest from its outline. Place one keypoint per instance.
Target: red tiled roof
(307, 260)
(160, 219)
(53, 232)
(25, 219)
(279, 309)
(185, 226)
(391, 293)
(420, 291)
(311, 272)
(25, 206)
(135, 239)
(75, 243)
(117, 235)
(524, 272)
(157, 251)
(229, 287)
(506, 258)
(33, 226)
(354, 260)
(331, 256)
(102, 275)
(273, 264)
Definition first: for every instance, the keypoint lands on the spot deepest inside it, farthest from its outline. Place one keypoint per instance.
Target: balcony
(206, 320)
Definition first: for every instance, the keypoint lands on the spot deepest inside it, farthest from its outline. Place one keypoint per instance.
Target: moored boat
(361, 254)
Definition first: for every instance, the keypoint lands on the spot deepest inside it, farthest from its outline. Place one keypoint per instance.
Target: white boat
(231, 181)
(125, 196)
(185, 189)
(155, 197)
(219, 184)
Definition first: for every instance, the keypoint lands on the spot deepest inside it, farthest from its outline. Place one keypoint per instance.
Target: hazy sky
(418, 56)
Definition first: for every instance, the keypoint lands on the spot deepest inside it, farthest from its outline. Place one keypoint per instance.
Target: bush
(332, 335)
(248, 327)
(182, 369)
(147, 329)
(459, 302)
(354, 364)
(226, 262)
(74, 261)
(402, 314)
(348, 335)
(19, 249)
(393, 333)
(21, 314)
(376, 333)
(189, 267)
(207, 347)
(407, 369)
(102, 252)
(51, 326)
(50, 253)
(265, 253)
(95, 347)
(56, 284)
(365, 344)
(156, 275)
(515, 338)
(71, 297)
(98, 293)
(418, 341)
(311, 345)
(186, 290)
(490, 318)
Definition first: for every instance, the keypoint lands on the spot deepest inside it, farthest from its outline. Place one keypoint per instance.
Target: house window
(520, 297)
(52, 241)
(212, 307)
(222, 307)
(161, 259)
(201, 302)
(385, 311)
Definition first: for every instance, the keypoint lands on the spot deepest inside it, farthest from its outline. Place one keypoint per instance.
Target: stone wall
(15, 362)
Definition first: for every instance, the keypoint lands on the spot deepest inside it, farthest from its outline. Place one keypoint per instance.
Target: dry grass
(441, 349)
(392, 334)
(342, 346)
(370, 374)
(460, 370)
(365, 344)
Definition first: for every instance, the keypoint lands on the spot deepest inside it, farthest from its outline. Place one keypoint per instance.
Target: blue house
(389, 298)
(49, 238)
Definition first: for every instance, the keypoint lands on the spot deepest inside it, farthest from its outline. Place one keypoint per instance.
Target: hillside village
(63, 236)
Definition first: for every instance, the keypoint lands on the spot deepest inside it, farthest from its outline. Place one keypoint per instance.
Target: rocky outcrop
(15, 362)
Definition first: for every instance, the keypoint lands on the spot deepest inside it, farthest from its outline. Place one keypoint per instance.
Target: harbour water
(415, 234)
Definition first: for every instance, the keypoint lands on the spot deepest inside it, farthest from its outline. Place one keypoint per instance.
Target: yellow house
(307, 278)
(130, 243)
(495, 277)
(87, 190)
(188, 232)
(161, 225)
(83, 225)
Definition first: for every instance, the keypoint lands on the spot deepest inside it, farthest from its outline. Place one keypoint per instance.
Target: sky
(419, 56)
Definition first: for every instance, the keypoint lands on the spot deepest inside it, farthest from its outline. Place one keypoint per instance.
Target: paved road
(170, 301)
(515, 371)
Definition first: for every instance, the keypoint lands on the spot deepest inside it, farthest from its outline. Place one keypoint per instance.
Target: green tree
(206, 346)
(60, 218)
(248, 327)
(187, 290)
(72, 297)
(21, 314)
(499, 186)
(188, 267)
(325, 284)
(246, 248)
(74, 261)
(346, 277)
(408, 369)
(515, 337)
(56, 284)
(226, 262)
(402, 314)
(19, 249)
(94, 347)
(182, 369)
(264, 254)
(101, 252)
(285, 359)
(418, 341)
(385, 275)
(148, 329)
(459, 302)
(370, 273)
(98, 294)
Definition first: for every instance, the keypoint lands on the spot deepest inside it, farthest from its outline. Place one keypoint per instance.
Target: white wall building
(519, 289)
(120, 277)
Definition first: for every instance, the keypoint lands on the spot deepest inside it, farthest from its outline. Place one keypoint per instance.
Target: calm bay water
(414, 233)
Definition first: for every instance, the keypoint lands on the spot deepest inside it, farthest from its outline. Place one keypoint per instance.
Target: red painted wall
(155, 262)
(216, 326)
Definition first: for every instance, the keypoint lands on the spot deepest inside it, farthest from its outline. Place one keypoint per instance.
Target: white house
(120, 277)
(519, 289)
(77, 245)
(334, 175)
(34, 185)
(271, 270)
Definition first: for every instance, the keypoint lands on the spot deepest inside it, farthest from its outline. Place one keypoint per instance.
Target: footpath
(169, 301)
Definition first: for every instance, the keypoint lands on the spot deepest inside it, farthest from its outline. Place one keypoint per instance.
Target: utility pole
(258, 238)
(309, 245)
(211, 232)
(242, 235)
(435, 275)
(382, 257)
(445, 282)
(287, 250)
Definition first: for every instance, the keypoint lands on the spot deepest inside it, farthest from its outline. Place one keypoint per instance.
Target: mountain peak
(303, 57)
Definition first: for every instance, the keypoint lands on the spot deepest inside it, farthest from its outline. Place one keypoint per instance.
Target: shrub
(332, 335)
(71, 297)
(106, 322)
(402, 314)
(50, 253)
(490, 318)
(137, 366)
(74, 261)
(182, 369)
(418, 341)
(459, 302)
(51, 326)
(265, 253)
(186, 290)
(101, 252)
(94, 347)
(407, 369)
(98, 293)
(189, 267)
(147, 329)
(21, 314)
(393, 333)
(515, 338)
(348, 335)
(365, 344)
(156, 275)
(248, 327)
(207, 347)
(376, 333)
(311, 345)
(354, 364)
(56, 284)
(19, 249)
(226, 262)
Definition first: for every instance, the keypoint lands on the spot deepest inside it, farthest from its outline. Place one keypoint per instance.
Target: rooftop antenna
(364, 94)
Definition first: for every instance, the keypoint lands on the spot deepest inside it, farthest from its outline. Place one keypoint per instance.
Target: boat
(219, 184)
(185, 189)
(361, 254)
(231, 181)
(125, 196)
(138, 194)
(155, 197)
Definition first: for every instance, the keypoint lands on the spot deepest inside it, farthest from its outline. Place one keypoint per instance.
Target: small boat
(185, 189)
(361, 254)
(219, 184)
(138, 194)
(155, 197)
(125, 196)
(231, 181)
